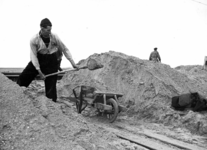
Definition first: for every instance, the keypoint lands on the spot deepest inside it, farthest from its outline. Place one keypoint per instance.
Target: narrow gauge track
(149, 141)
(14, 75)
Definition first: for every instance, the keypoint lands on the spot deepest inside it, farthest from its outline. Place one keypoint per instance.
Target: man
(155, 56)
(45, 54)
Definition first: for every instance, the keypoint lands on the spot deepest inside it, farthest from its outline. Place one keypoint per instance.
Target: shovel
(92, 64)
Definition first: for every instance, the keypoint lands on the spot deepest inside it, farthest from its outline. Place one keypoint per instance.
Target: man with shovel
(45, 54)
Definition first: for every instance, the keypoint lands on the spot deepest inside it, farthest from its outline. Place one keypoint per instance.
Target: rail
(14, 75)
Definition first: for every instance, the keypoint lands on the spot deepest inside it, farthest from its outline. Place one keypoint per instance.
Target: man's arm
(33, 54)
(33, 57)
(65, 51)
(158, 55)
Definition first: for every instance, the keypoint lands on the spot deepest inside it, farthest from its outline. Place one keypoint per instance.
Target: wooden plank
(145, 142)
(165, 139)
(174, 142)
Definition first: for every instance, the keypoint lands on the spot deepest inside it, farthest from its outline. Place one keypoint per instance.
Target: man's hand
(76, 66)
(42, 76)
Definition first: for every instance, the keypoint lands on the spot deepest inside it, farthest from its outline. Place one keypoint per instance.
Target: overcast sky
(178, 28)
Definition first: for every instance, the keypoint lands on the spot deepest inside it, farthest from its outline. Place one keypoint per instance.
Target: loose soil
(28, 120)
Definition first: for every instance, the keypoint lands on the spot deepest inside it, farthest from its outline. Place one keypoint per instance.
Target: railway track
(14, 75)
(145, 139)
(155, 142)
(150, 141)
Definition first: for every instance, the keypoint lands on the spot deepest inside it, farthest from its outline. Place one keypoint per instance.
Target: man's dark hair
(45, 22)
(155, 48)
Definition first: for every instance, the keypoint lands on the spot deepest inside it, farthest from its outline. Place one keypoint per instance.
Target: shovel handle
(91, 65)
(55, 73)
(72, 69)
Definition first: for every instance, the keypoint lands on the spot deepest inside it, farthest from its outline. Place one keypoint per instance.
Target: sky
(178, 28)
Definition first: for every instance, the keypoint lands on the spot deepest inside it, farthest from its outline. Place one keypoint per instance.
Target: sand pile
(147, 87)
(30, 121)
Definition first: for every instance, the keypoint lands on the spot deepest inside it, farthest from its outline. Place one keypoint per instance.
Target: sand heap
(147, 87)
(28, 120)
(32, 122)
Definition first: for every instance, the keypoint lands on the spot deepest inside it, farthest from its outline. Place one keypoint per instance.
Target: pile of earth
(30, 121)
(147, 88)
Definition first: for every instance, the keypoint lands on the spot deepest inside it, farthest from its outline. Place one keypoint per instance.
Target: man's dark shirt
(45, 40)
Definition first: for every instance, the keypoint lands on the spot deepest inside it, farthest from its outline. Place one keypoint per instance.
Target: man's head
(46, 27)
(45, 22)
(155, 49)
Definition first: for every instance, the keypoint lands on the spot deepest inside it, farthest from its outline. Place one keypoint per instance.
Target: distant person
(205, 63)
(155, 56)
(46, 55)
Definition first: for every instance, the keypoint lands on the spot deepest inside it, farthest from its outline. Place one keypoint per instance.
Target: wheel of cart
(105, 102)
(113, 113)
(110, 104)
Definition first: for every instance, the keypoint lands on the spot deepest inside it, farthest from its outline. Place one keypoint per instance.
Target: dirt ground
(28, 120)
